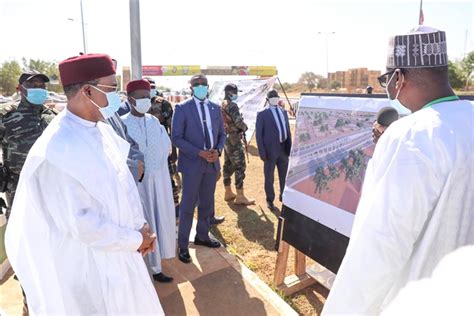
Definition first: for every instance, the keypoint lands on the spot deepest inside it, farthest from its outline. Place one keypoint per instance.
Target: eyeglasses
(383, 79)
(115, 88)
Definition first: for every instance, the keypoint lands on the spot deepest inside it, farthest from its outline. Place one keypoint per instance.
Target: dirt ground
(250, 232)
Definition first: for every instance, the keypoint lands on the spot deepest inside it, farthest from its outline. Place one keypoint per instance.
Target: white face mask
(153, 93)
(113, 103)
(395, 103)
(274, 101)
(142, 105)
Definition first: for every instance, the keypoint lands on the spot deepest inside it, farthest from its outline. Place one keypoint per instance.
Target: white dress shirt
(208, 118)
(276, 111)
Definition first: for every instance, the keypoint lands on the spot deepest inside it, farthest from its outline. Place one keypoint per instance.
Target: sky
(288, 34)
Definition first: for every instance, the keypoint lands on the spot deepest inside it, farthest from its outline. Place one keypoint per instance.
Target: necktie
(207, 138)
(283, 133)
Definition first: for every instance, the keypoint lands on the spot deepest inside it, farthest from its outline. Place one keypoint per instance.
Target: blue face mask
(113, 104)
(234, 97)
(153, 93)
(36, 96)
(200, 92)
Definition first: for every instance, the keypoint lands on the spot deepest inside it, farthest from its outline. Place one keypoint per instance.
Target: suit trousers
(281, 162)
(198, 189)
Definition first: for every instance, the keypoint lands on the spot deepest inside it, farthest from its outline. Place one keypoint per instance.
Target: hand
(152, 247)
(204, 154)
(263, 158)
(141, 169)
(377, 131)
(148, 240)
(213, 155)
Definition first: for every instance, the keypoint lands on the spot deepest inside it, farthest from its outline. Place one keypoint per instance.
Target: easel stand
(303, 276)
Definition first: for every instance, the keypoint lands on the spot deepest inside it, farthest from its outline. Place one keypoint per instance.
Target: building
(356, 79)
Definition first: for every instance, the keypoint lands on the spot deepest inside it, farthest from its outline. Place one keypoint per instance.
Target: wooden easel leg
(300, 263)
(281, 263)
(295, 282)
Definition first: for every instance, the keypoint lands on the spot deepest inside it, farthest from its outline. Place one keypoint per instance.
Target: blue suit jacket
(268, 138)
(188, 136)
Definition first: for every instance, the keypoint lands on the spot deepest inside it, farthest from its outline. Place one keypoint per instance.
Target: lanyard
(440, 100)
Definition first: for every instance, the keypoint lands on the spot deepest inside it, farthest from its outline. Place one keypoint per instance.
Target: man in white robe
(155, 188)
(77, 233)
(417, 203)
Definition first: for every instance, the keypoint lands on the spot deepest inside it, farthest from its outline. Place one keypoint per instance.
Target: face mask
(152, 93)
(36, 96)
(274, 101)
(200, 92)
(395, 103)
(113, 104)
(142, 105)
(234, 97)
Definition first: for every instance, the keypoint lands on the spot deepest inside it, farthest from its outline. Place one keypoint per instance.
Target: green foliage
(354, 164)
(10, 71)
(335, 85)
(323, 176)
(310, 80)
(340, 122)
(455, 75)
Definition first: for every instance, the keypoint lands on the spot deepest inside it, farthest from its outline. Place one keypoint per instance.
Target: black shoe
(211, 243)
(162, 278)
(183, 256)
(216, 220)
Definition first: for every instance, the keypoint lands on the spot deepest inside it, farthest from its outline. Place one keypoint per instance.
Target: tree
(335, 85)
(467, 67)
(320, 179)
(455, 75)
(9, 74)
(310, 80)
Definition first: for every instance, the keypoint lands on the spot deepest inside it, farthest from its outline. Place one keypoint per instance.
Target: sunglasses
(199, 84)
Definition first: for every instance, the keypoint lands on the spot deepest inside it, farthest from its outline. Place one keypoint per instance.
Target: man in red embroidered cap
(155, 189)
(77, 231)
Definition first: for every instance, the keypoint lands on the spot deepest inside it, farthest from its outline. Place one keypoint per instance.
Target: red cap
(141, 84)
(84, 68)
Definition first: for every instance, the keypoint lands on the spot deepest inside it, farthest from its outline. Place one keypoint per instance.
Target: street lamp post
(83, 29)
(327, 49)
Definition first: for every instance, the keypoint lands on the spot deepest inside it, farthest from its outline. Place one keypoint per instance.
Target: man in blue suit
(274, 144)
(198, 132)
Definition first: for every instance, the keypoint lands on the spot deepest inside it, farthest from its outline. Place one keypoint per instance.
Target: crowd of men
(93, 192)
(133, 147)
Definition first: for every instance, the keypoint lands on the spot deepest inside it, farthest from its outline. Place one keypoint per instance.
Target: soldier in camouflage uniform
(21, 123)
(234, 155)
(163, 111)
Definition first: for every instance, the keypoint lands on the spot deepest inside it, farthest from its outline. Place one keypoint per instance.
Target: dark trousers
(198, 189)
(281, 162)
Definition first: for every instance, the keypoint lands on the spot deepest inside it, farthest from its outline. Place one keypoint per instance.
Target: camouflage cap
(30, 74)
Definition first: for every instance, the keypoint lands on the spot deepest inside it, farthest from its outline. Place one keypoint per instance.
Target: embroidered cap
(422, 47)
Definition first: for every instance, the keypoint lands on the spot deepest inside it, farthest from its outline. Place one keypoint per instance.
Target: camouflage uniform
(164, 109)
(21, 123)
(234, 155)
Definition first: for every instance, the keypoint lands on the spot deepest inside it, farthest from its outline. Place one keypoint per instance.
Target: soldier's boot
(241, 199)
(229, 195)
